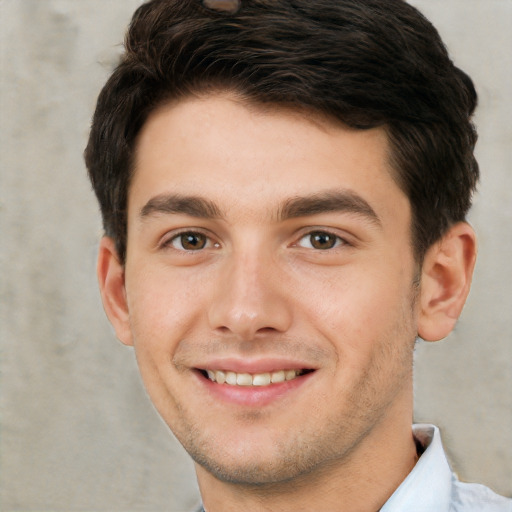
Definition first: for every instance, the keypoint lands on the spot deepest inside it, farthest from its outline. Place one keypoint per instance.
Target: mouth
(231, 378)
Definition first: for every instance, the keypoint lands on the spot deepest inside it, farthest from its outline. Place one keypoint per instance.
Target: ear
(445, 281)
(110, 273)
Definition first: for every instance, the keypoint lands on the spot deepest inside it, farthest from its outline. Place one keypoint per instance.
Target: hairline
(319, 118)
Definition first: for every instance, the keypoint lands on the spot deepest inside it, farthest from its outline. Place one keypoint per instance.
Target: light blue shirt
(432, 487)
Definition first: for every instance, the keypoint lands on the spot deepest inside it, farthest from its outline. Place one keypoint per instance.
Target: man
(284, 188)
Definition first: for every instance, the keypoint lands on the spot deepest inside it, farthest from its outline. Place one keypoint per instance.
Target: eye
(321, 240)
(190, 241)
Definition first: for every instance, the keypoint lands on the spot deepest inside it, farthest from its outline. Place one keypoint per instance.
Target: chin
(256, 464)
(252, 473)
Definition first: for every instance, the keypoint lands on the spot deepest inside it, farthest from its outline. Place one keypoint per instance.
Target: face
(269, 287)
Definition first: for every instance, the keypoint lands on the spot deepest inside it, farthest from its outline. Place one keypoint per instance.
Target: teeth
(261, 379)
(279, 376)
(244, 379)
(247, 379)
(231, 378)
(290, 374)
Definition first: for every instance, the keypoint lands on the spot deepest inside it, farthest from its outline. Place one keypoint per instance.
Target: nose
(250, 298)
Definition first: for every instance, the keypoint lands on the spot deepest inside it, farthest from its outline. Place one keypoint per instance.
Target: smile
(256, 379)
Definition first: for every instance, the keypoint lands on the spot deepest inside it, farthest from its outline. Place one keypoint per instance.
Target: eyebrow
(175, 203)
(329, 201)
(300, 206)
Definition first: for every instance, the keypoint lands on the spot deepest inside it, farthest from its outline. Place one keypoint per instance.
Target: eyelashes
(321, 240)
(191, 241)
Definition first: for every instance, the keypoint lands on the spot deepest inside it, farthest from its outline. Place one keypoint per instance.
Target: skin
(255, 292)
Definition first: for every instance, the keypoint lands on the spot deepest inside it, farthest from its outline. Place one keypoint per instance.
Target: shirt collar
(428, 486)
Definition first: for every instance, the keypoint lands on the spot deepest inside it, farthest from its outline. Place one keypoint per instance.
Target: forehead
(235, 153)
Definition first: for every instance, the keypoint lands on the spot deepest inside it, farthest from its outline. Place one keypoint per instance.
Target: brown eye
(189, 241)
(321, 240)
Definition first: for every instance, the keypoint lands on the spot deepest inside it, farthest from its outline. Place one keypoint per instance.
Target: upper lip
(254, 366)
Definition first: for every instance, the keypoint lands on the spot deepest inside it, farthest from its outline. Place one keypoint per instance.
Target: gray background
(77, 432)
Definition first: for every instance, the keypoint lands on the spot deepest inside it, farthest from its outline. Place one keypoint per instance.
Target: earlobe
(111, 280)
(445, 282)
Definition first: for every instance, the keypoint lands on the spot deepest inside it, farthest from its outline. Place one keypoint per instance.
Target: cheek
(359, 310)
(161, 308)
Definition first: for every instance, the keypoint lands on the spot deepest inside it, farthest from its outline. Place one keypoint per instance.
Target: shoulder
(477, 498)
(439, 488)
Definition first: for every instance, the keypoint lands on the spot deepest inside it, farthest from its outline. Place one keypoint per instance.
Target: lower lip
(254, 396)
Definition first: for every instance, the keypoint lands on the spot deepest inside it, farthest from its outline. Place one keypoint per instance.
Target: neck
(363, 481)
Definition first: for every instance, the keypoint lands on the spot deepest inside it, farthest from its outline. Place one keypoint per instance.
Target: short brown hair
(364, 63)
